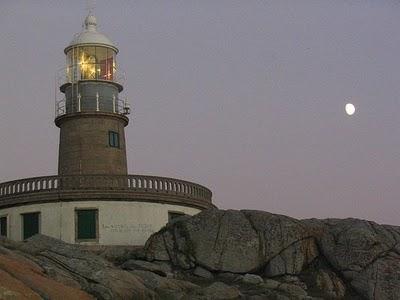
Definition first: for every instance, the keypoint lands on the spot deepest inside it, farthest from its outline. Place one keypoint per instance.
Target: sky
(244, 97)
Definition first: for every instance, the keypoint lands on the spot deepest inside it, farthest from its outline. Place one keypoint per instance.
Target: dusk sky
(245, 97)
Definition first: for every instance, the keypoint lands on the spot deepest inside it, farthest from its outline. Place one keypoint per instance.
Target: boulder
(144, 265)
(21, 278)
(11, 288)
(307, 259)
(252, 279)
(362, 258)
(116, 254)
(293, 260)
(271, 284)
(94, 274)
(232, 241)
(229, 277)
(165, 286)
(328, 282)
(157, 249)
(293, 290)
(365, 254)
(201, 272)
(221, 291)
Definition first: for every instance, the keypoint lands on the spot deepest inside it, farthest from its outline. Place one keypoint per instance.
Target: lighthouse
(91, 114)
(93, 200)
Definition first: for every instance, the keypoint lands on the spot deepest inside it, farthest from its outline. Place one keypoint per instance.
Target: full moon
(350, 109)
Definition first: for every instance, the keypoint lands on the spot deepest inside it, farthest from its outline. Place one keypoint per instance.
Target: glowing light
(88, 66)
(350, 109)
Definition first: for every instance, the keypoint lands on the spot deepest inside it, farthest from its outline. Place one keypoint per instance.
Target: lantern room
(91, 80)
(91, 63)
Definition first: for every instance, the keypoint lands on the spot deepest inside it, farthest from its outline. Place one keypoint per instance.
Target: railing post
(79, 102)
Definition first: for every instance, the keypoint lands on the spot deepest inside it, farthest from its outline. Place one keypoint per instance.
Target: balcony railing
(132, 186)
(92, 104)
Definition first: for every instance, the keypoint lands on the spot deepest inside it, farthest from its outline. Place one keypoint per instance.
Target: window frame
(38, 213)
(176, 213)
(7, 233)
(80, 240)
(112, 142)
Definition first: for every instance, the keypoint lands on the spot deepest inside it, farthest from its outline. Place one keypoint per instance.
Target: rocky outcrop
(333, 259)
(22, 278)
(249, 255)
(365, 254)
(56, 270)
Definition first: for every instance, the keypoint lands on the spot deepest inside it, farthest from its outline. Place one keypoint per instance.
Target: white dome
(90, 35)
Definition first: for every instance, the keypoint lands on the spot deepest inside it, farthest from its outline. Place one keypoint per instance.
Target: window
(113, 139)
(172, 215)
(87, 62)
(3, 226)
(86, 224)
(92, 63)
(30, 224)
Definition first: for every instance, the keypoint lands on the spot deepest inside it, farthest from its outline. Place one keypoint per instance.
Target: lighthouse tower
(91, 115)
(93, 200)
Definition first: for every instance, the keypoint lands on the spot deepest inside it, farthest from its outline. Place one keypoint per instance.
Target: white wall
(120, 222)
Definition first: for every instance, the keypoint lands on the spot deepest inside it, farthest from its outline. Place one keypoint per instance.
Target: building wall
(119, 222)
(84, 146)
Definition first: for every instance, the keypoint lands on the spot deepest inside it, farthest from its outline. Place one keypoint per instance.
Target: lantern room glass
(91, 63)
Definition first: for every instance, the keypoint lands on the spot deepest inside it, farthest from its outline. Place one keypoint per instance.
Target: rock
(118, 254)
(171, 295)
(322, 282)
(293, 259)
(166, 286)
(228, 241)
(256, 297)
(21, 278)
(330, 284)
(293, 290)
(143, 265)
(94, 274)
(201, 272)
(308, 259)
(152, 280)
(205, 239)
(229, 277)
(366, 254)
(221, 291)
(271, 284)
(165, 267)
(293, 280)
(252, 279)
(156, 248)
(11, 288)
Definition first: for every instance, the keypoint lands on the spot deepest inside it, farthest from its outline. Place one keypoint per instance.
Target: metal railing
(141, 184)
(91, 104)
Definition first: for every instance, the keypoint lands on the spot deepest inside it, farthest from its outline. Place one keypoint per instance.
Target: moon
(350, 109)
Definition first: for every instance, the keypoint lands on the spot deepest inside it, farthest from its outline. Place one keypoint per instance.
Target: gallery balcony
(92, 104)
(139, 188)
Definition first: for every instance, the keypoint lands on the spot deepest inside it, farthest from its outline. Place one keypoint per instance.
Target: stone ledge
(99, 195)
